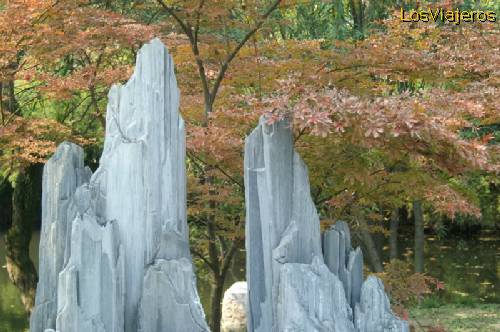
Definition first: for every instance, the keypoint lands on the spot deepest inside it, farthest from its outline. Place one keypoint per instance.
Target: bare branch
(238, 47)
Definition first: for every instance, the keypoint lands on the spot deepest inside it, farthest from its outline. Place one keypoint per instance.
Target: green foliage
(458, 318)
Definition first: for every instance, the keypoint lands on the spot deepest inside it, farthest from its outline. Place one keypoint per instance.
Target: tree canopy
(384, 113)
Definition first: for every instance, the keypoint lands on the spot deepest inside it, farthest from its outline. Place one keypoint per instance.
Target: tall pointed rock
(373, 312)
(343, 261)
(142, 171)
(62, 174)
(287, 278)
(127, 266)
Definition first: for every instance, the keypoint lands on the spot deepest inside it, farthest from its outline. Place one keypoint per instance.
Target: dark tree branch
(226, 262)
(231, 178)
(193, 40)
(197, 24)
(202, 257)
(232, 55)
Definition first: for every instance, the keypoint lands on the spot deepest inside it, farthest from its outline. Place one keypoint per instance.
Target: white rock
(234, 308)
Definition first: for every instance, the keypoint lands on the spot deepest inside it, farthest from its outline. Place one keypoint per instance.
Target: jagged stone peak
(153, 65)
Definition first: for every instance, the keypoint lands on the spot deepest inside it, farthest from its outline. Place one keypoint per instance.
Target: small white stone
(234, 316)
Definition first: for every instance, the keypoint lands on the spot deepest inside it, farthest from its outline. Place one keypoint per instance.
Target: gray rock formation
(373, 313)
(143, 176)
(343, 261)
(234, 308)
(372, 310)
(129, 267)
(170, 299)
(291, 286)
(311, 298)
(62, 174)
(283, 240)
(91, 284)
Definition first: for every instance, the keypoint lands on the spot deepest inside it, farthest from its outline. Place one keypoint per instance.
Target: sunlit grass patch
(457, 318)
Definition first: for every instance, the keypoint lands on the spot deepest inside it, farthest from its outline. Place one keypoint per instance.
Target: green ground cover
(457, 318)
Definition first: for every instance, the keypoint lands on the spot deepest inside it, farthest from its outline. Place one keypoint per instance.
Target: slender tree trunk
(213, 256)
(393, 237)
(5, 204)
(12, 97)
(419, 236)
(216, 302)
(403, 215)
(371, 249)
(8, 101)
(339, 19)
(2, 112)
(357, 9)
(25, 206)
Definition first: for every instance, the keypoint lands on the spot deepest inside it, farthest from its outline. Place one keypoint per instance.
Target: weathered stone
(355, 270)
(142, 167)
(234, 308)
(91, 284)
(169, 300)
(62, 174)
(290, 286)
(373, 312)
(343, 261)
(311, 298)
(283, 239)
(127, 266)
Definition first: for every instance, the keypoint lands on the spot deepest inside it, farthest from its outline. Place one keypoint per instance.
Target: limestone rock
(91, 284)
(62, 174)
(170, 301)
(234, 308)
(283, 239)
(127, 264)
(311, 298)
(343, 261)
(373, 313)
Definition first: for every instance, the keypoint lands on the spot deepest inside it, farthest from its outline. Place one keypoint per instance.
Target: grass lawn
(457, 318)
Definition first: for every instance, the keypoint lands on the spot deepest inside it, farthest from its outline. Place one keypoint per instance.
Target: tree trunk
(393, 238)
(25, 206)
(419, 236)
(216, 302)
(371, 249)
(5, 204)
(357, 9)
(2, 113)
(403, 215)
(339, 20)
(12, 97)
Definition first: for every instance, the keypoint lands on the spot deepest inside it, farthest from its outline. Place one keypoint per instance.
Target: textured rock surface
(143, 176)
(311, 298)
(373, 313)
(167, 301)
(129, 266)
(91, 284)
(283, 239)
(62, 174)
(343, 261)
(234, 308)
(291, 286)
